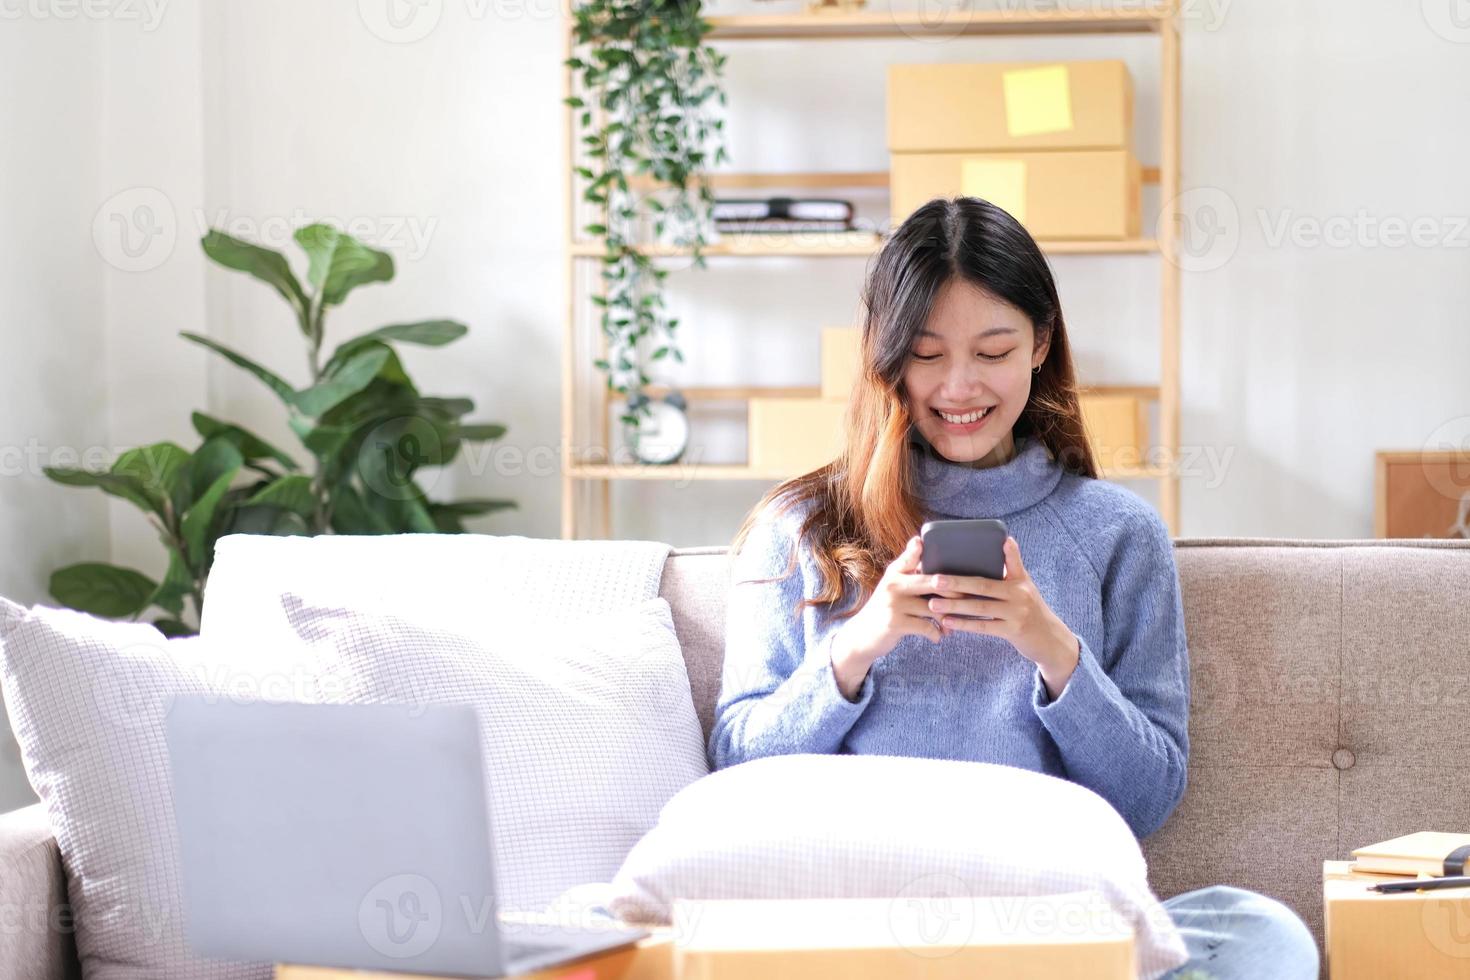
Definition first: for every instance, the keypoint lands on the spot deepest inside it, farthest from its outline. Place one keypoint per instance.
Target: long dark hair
(866, 508)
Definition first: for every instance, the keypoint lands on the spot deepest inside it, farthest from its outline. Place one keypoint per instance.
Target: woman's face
(975, 354)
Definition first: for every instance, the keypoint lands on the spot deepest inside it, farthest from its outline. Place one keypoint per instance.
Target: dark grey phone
(964, 547)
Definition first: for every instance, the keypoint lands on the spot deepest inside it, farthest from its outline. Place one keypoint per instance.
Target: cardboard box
(1116, 429)
(792, 436)
(1370, 936)
(1072, 194)
(1052, 937)
(1071, 105)
(841, 361)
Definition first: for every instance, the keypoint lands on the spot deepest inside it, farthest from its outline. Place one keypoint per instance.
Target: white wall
(441, 136)
(53, 398)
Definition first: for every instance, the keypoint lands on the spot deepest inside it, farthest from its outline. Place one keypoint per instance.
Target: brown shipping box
(1052, 937)
(1068, 105)
(1073, 194)
(1373, 936)
(792, 436)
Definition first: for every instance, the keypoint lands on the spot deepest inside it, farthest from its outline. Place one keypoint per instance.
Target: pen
(1449, 881)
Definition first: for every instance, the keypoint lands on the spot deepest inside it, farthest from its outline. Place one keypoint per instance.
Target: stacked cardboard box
(797, 435)
(1049, 143)
(792, 436)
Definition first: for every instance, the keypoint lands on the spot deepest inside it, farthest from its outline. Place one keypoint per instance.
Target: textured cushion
(480, 578)
(588, 726)
(87, 699)
(851, 826)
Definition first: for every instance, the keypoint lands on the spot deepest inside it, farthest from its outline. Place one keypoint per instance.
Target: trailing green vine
(650, 81)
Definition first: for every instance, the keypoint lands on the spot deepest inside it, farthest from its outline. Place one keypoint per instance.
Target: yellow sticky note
(999, 181)
(1038, 100)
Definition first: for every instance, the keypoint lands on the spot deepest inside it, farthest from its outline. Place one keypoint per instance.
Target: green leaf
(273, 381)
(352, 376)
(265, 264)
(212, 460)
(340, 263)
(265, 520)
(159, 469)
(197, 522)
(351, 516)
(428, 333)
(251, 447)
(174, 628)
(481, 432)
(126, 487)
(293, 493)
(102, 589)
(177, 583)
(474, 507)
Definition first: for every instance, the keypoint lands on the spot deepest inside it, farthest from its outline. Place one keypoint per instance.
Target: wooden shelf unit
(1159, 20)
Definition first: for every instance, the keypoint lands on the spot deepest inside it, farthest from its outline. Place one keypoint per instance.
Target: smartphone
(964, 547)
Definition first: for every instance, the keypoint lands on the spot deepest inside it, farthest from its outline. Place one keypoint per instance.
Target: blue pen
(1450, 881)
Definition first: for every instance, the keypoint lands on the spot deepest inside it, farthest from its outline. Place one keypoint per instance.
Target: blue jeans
(1234, 934)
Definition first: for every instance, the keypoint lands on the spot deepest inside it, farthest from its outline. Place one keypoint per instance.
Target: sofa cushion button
(1343, 758)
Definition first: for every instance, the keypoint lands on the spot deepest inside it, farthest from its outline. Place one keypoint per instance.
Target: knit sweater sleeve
(1121, 723)
(778, 695)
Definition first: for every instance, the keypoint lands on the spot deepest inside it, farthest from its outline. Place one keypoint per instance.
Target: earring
(1036, 369)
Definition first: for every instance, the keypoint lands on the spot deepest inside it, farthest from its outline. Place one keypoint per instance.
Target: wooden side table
(1371, 936)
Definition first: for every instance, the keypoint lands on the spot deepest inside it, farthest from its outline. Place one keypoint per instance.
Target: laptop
(350, 836)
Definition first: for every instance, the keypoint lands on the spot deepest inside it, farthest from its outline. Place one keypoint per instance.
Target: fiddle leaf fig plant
(366, 429)
(650, 80)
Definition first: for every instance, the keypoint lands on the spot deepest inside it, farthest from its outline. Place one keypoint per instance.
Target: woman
(967, 407)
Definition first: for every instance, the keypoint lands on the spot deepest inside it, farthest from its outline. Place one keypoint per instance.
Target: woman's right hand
(897, 608)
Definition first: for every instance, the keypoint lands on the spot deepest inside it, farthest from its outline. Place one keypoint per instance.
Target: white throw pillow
(87, 699)
(872, 826)
(588, 725)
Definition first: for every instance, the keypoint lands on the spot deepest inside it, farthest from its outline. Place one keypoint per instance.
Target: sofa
(1324, 677)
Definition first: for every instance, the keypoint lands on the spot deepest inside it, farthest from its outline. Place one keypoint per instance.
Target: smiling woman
(966, 407)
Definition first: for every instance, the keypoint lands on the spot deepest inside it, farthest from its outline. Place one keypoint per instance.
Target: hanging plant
(651, 82)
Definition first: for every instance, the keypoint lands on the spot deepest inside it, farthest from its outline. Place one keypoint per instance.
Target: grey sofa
(1330, 679)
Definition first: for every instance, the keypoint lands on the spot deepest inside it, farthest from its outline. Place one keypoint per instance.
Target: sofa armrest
(36, 934)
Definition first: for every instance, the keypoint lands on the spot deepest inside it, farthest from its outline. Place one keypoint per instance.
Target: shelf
(731, 180)
(845, 244)
(740, 471)
(918, 25)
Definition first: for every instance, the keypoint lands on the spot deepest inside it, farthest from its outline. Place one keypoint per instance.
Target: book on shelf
(782, 208)
(1426, 852)
(762, 226)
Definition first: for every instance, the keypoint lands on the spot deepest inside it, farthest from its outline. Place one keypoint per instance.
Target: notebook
(1427, 852)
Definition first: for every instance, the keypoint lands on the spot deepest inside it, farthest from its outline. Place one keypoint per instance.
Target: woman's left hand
(1021, 616)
